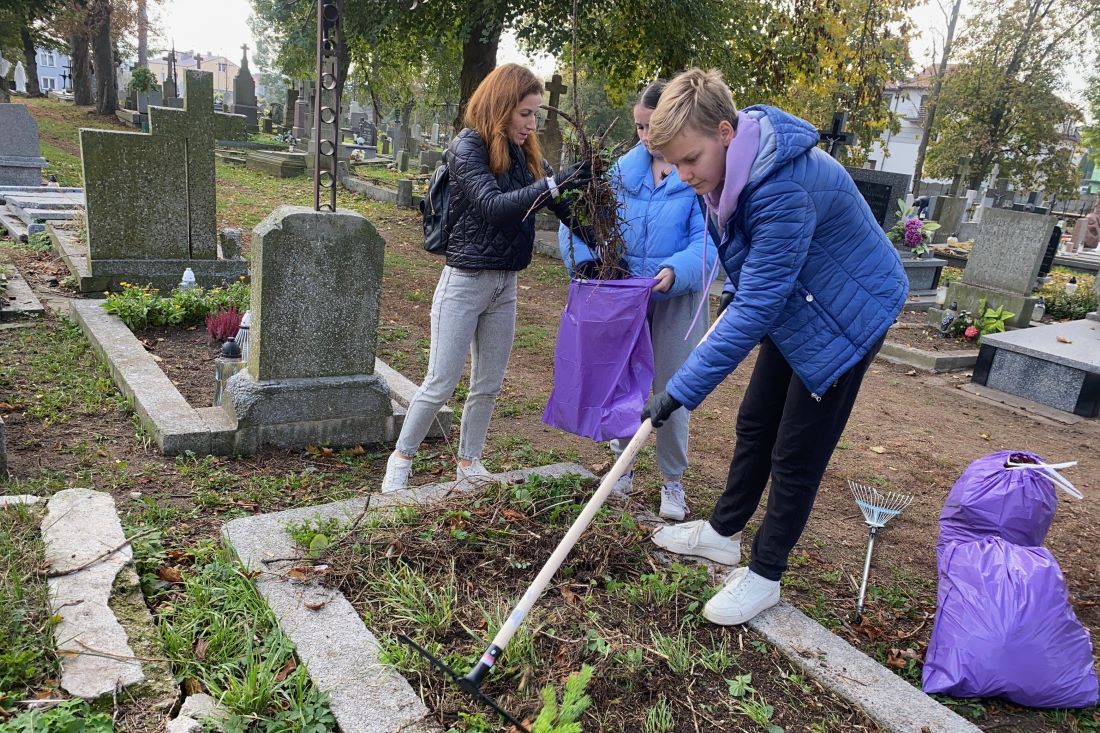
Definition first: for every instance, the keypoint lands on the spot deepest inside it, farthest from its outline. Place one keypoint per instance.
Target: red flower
(971, 332)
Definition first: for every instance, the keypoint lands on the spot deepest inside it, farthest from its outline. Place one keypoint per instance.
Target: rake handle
(580, 524)
(866, 571)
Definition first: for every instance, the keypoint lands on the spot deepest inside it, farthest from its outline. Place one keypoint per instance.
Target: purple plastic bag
(989, 500)
(603, 363)
(1004, 627)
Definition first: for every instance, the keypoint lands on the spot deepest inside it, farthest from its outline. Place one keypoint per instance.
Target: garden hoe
(471, 683)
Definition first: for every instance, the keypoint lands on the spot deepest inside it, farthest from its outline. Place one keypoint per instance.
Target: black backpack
(435, 207)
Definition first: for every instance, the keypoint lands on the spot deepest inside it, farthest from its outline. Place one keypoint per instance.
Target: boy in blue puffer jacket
(816, 284)
(662, 225)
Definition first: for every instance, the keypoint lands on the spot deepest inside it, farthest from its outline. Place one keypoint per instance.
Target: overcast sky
(221, 26)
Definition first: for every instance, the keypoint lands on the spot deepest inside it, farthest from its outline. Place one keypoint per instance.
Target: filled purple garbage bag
(1004, 627)
(603, 363)
(991, 500)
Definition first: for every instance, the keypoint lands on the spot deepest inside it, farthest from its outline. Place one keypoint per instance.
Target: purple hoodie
(740, 155)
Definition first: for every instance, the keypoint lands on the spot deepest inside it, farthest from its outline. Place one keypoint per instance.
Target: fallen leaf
(315, 605)
(170, 574)
(513, 516)
(357, 450)
(1063, 340)
(289, 667)
(200, 649)
(877, 449)
(893, 659)
(300, 572)
(569, 596)
(983, 436)
(192, 686)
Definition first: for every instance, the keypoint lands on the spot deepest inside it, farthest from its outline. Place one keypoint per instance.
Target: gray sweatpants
(473, 311)
(668, 323)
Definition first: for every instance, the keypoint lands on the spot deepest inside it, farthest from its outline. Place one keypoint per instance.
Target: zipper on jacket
(816, 396)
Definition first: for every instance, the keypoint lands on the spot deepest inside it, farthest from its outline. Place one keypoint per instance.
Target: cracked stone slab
(340, 653)
(96, 658)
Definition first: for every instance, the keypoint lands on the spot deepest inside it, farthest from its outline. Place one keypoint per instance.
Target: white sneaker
(624, 485)
(746, 594)
(474, 472)
(673, 504)
(397, 473)
(699, 539)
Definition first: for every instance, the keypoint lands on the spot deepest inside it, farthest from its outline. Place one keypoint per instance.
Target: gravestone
(1004, 263)
(385, 145)
(301, 117)
(158, 218)
(550, 139)
(435, 133)
(244, 93)
(288, 110)
(310, 377)
(20, 161)
(881, 190)
(949, 212)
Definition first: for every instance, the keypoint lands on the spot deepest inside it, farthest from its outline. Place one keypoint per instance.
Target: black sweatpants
(785, 434)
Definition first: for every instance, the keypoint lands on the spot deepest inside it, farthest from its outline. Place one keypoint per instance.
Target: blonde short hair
(697, 99)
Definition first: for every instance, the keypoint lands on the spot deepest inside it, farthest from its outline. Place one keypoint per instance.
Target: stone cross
(170, 170)
(556, 89)
(835, 137)
(551, 132)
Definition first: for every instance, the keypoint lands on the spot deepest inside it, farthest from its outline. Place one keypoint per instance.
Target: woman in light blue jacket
(664, 234)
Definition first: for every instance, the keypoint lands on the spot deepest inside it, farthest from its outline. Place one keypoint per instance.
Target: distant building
(896, 152)
(53, 70)
(223, 69)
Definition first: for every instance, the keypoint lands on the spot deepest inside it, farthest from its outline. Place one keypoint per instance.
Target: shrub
(223, 325)
(1063, 307)
(144, 307)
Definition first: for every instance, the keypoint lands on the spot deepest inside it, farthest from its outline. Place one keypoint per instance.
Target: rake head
(878, 507)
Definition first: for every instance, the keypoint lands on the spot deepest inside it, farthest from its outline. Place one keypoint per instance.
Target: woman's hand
(664, 278)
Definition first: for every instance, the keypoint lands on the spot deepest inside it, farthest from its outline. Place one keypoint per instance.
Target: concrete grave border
(341, 654)
(175, 425)
(22, 301)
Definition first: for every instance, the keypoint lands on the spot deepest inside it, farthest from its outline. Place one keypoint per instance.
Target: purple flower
(914, 232)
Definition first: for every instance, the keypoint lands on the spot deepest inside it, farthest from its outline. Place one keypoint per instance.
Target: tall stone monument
(244, 93)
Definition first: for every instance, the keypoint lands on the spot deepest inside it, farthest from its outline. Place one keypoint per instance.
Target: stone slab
(1079, 349)
(277, 163)
(5, 191)
(30, 216)
(969, 296)
(881, 190)
(932, 361)
(18, 499)
(340, 653)
(1039, 378)
(45, 198)
(893, 703)
(21, 302)
(96, 658)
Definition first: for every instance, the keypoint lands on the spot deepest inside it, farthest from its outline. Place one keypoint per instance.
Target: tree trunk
(81, 70)
(106, 99)
(30, 60)
(937, 85)
(143, 33)
(479, 57)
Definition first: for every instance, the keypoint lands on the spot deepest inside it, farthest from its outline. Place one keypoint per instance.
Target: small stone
(19, 499)
(201, 706)
(135, 494)
(183, 724)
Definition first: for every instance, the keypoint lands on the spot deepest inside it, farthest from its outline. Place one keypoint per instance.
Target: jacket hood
(783, 137)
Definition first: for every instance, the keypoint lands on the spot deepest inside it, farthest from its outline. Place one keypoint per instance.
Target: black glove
(587, 270)
(660, 407)
(723, 302)
(577, 175)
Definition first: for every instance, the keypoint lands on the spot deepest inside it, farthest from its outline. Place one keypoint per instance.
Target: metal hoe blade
(463, 683)
(878, 508)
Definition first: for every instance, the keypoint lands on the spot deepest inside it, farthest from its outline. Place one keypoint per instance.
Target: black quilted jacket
(493, 229)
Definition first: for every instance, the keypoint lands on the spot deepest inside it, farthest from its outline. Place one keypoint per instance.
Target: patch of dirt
(187, 357)
(927, 338)
(448, 574)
